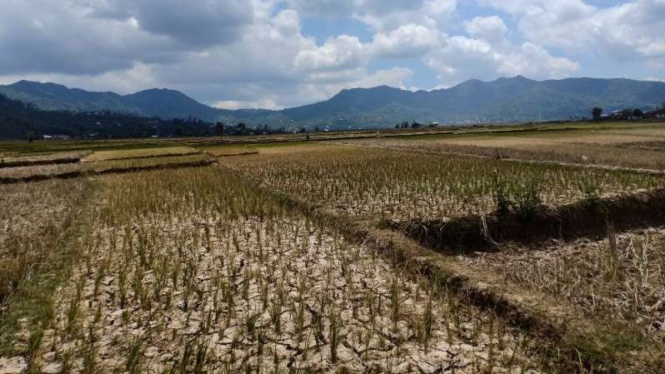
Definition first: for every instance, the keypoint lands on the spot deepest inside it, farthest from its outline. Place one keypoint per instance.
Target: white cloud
(534, 61)
(487, 54)
(255, 53)
(407, 41)
(631, 30)
(342, 52)
(491, 29)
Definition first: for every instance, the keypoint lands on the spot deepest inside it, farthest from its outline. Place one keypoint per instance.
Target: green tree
(597, 113)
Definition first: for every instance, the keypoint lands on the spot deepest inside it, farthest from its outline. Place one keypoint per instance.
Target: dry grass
(374, 183)
(597, 149)
(32, 217)
(142, 163)
(621, 278)
(299, 148)
(228, 280)
(140, 153)
(54, 158)
(48, 171)
(226, 151)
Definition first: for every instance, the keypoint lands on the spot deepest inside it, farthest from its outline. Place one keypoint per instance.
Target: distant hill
(515, 99)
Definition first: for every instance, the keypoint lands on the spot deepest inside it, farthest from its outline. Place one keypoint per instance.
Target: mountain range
(515, 99)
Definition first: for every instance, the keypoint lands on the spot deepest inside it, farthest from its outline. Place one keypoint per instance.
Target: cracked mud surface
(216, 290)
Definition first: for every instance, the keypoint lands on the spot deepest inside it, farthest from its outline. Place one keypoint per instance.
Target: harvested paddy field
(39, 172)
(47, 159)
(620, 278)
(230, 280)
(68, 171)
(612, 151)
(321, 257)
(229, 151)
(394, 185)
(156, 162)
(140, 153)
(31, 219)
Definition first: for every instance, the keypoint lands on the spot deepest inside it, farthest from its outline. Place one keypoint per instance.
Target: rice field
(32, 218)
(146, 162)
(384, 184)
(228, 151)
(42, 159)
(286, 260)
(229, 280)
(628, 151)
(140, 153)
(620, 278)
(45, 171)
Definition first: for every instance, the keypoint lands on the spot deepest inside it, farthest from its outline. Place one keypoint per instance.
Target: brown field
(377, 183)
(594, 148)
(299, 257)
(146, 162)
(48, 171)
(620, 278)
(45, 159)
(140, 153)
(227, 151)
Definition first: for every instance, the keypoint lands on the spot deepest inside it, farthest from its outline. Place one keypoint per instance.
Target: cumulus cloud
(630, 30)
(410, 40)
(59, 37)
(342, 52)
(256, 53)
(487, 53)
(491, 29)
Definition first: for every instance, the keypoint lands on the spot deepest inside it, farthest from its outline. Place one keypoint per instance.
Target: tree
(638, 113)
(179, 131)
(597, 113)
(219, 128)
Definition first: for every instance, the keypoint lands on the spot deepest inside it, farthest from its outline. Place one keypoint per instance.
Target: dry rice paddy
(233, 268)
(140, 153)
(377, 183)
(572, 147)
(620, 278)
(227, 280)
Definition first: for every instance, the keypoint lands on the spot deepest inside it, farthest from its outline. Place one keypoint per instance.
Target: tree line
(19, 120)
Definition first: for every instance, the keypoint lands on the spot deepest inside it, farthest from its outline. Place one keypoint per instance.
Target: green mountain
(515, 99)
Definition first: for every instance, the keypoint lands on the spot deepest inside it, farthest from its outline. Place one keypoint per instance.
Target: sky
(283, 53)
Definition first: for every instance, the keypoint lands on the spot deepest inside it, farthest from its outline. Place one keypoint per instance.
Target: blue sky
(282, 53)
